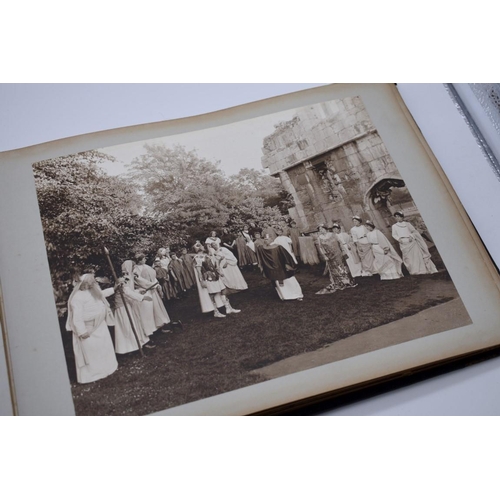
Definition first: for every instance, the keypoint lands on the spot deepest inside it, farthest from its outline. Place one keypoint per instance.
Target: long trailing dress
(294, 235)
(307, 250)
(246, 256)
(232, 276)
(188, 261)
(94, 356)
(416, 256)
(125, 340)
(279, 267)
(168, 280)
(363, 248)
(353, 262)
(339, 274)
(388, 265)
(153, 313)
(203, 294)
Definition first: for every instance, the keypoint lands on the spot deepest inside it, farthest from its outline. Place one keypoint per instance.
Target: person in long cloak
(416, 256)
(258, 242)
(229, 241)
(231, 277)
(340, 277)
(279, 267)
(246, 256)
(285, 242)
(125, 340)
(89, 315)
(163, 277)
(154, 316)
(387, 262)
(188, 261)
(166, 277)
(267, 229)
(349, 251)
(362, 246)
(177, 271)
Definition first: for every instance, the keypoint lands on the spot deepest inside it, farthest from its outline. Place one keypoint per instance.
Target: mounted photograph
(199, 263)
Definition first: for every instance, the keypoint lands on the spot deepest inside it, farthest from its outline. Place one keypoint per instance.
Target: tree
(195, 192)
(82, 208)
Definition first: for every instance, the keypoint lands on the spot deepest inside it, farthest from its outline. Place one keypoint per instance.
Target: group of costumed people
(213, 268)
(366, 251)
(138, 313)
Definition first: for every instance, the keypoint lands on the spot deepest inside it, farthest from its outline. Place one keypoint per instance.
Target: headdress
(401, 214)
(335, 225)
(370, 223)
(357, 218)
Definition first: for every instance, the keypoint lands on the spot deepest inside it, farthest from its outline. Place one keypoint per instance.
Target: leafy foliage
(182, 187)
(170, 197)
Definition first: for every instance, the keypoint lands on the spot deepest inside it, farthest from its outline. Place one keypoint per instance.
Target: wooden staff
(106, 252)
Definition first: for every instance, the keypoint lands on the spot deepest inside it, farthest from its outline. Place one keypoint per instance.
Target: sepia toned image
(192, 265)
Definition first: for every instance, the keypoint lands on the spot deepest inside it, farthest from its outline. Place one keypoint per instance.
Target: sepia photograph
(195, 264)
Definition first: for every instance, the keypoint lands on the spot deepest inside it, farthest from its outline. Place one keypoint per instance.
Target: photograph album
(237, 262)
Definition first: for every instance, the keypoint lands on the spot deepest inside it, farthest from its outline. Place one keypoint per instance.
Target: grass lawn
(211, 356)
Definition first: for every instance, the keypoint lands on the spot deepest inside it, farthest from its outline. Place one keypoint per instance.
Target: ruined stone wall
(329, 157)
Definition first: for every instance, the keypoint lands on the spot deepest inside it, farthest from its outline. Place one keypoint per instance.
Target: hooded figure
(279, 266)
(88, 317)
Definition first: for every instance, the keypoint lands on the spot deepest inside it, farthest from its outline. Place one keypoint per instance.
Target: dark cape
(277, 264)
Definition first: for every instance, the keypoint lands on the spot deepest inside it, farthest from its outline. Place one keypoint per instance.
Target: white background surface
(38, 113)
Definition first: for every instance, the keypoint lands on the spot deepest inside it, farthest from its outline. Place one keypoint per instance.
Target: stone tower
(332, 161)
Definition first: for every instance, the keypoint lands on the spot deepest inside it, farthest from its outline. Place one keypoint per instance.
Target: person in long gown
(416, 256)
(125, 340)
(347, 244)
(89, 315)
(387, 262)
(228, 240)
(154, 316)
(231, 277)
(258, 242)
(307, 251)
(177, 270)
(362, 246)
(279, 267)
(246, 256)
(340, 276)
(166, 278)
(188, 261)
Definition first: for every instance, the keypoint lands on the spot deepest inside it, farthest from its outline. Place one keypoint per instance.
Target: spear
(106, 252)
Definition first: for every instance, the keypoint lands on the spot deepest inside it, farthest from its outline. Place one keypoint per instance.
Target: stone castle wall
(332, 160)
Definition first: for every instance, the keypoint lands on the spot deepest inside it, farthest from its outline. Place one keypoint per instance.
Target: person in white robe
(89, 315)
(232, 277)
(362, 246)
(154, 316)
(352, 258)
(387, 262)
(125, 340)
(213, 238)
(416, 256)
